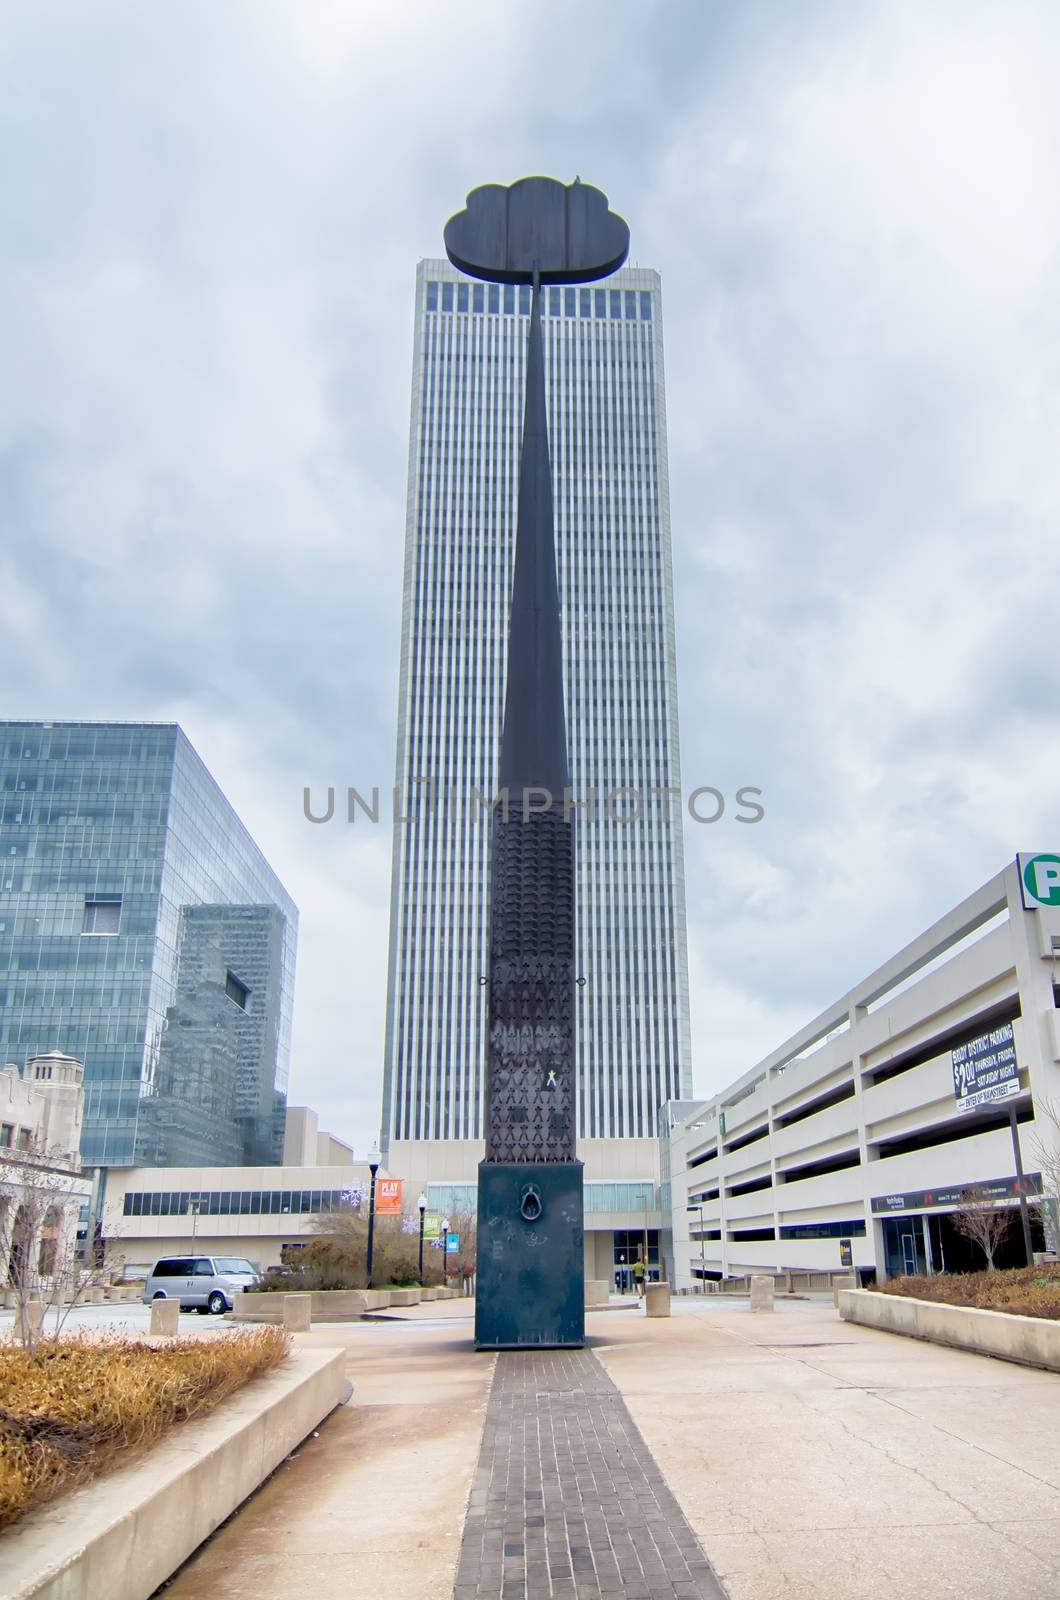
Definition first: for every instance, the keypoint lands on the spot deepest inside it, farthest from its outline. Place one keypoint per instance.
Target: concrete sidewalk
(813, 1459)
(374, 1504)
(816, 1460)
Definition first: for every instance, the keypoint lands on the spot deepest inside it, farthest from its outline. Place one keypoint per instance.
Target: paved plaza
(566, 1499)
(804, 1458)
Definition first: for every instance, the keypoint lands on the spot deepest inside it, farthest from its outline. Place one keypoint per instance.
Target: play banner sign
(985, 1068)
(388, 1197)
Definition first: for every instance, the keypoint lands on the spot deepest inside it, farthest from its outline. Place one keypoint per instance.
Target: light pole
(193, 1207)
(1028, 1247)
(373, 1168)
(702, 1255)
(422, 1203)
(445, 1245)
(646, 1277)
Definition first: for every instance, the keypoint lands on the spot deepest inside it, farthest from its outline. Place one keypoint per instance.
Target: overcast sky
(210, 217)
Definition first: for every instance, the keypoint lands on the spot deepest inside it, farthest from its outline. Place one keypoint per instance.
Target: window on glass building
(236, 990)
(102, 915)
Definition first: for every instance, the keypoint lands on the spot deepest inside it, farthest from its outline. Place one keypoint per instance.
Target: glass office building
(605, 385)
(142, 930)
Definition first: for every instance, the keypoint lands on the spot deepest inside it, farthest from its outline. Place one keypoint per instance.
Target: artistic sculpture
(530, 1289)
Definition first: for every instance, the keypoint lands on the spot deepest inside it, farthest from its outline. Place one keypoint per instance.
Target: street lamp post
(373, 1167)
(702, 1255)
(445, 1245)
(193, 1207)
(422, 1203)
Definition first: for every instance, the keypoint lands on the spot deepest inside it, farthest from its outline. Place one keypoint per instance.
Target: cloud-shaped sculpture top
(565, 228)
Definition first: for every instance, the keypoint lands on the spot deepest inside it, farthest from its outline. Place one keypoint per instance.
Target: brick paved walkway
(567, 1500)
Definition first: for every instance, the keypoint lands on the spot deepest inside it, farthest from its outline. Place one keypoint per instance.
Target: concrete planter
(597, 1292)
(404, 1297)
(124, 1535)
(326, 1305)
(1033, 1341)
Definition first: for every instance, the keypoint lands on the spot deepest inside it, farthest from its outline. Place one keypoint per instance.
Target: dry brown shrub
(1023, 1291)
(70, 1407)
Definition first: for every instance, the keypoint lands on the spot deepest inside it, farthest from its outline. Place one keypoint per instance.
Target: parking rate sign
(985, 1068)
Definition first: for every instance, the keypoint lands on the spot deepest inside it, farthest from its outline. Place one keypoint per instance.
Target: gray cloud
(212, 218)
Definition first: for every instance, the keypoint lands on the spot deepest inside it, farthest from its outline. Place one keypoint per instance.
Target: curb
(127, 1532)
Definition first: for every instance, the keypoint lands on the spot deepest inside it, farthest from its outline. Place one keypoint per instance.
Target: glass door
(903, 1246)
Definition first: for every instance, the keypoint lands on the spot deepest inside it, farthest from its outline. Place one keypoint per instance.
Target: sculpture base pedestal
(530, 1273)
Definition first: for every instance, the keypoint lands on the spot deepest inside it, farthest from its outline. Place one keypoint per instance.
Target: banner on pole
(388, 1197)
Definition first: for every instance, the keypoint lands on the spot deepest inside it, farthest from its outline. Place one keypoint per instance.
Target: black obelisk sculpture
(530, 1277)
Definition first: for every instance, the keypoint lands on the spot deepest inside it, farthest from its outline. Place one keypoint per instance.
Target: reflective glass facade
(110, 833)
(458, 1198)
(605, 384)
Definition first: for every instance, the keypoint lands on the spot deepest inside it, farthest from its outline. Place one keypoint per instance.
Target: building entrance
(904, 1249)
(903, 1246)
(628, 1243)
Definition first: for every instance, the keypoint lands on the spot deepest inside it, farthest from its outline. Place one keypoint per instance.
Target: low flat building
(254, 1212)
(149, 1212)
(622, 1204)
(855, 1142)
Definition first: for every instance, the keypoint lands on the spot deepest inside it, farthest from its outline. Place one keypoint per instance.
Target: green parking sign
(1039, 880)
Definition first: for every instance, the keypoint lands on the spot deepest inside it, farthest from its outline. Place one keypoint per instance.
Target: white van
(207, 1283)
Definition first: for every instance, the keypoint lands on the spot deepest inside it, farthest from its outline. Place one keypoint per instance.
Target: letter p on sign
(1040, 880)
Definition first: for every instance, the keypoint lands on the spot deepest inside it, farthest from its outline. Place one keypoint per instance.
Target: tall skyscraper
(607, 429)
(143, 931)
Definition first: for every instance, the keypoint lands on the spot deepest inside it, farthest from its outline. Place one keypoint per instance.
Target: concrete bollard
(840, 1282)
(164, 1315)
(10, 1299)
(762, 1288)
(657, 1299)
(93, 1297)
(297, 1312)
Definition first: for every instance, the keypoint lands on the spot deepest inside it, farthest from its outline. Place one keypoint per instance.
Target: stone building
(42, 1192)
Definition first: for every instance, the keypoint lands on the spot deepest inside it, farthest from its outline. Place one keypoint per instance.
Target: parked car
(207, 1283)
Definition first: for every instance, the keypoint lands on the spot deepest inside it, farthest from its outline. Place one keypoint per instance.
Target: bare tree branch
(980, 1219)
(40, 1199)
(1045, 1152)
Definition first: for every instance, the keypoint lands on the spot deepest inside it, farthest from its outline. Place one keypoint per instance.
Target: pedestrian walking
(638, 1277)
